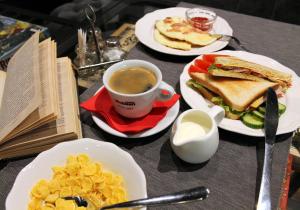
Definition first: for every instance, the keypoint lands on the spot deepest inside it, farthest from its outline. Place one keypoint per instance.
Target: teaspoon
(197, 193)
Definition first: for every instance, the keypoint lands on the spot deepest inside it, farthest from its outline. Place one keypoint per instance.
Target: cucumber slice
(258, 114)
(262, 109)
(281, 108)
(252, 121)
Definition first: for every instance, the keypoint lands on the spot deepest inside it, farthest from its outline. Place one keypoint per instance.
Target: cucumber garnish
(258, 114)
(252, 121)
(281, 108)
(262, 109)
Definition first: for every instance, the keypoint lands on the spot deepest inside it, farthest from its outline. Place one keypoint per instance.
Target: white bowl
(112, 158)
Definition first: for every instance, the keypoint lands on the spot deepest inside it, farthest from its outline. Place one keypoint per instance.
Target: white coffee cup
(195, 136)
(135, 105)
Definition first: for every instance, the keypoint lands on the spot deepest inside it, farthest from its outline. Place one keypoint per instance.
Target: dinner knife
(271, 124)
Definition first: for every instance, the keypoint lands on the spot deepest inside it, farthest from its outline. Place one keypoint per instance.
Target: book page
(68, 123)
(2, 82)
(47, 144)
(54, 76)
(22, 90)
(48, 109)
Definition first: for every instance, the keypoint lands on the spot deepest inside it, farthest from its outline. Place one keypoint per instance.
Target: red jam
(201, 23)
(199, 19)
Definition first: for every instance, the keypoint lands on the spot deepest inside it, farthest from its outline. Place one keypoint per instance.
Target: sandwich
(238, 86)
(233, 67)
(235, 95)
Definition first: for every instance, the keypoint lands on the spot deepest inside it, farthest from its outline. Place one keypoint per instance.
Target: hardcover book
(38, 100)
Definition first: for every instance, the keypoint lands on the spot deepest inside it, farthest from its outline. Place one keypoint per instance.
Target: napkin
(101, 104)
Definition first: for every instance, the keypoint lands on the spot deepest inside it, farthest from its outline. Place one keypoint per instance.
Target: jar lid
(112, 42)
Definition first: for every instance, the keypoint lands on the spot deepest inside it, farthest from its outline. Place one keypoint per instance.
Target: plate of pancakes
(168, 31)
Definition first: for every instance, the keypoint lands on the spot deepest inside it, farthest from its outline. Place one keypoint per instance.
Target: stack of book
(38, 100)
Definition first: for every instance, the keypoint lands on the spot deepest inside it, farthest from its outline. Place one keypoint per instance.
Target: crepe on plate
(173, 43)
(172, 30)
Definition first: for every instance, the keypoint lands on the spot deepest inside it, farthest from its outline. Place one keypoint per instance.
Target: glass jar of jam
(201, 18)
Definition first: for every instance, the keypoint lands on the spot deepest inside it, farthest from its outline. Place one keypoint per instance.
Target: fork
(225, 37)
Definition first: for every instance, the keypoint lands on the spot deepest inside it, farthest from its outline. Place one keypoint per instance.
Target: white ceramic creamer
(195, 136)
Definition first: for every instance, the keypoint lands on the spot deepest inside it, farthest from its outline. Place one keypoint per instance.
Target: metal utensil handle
(239, 43)
(98, 64)
(198, 193)
(225, 37)
(264, 199)
(271, 124)
(92, 19)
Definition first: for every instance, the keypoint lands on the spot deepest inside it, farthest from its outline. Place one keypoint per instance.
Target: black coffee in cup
(132, 80)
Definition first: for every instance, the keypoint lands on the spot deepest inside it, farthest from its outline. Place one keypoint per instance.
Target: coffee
(132, 80)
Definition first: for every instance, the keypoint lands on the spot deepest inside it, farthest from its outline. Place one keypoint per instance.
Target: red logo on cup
(126, 103)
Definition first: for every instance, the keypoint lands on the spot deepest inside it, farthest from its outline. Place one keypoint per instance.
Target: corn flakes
(79, 177)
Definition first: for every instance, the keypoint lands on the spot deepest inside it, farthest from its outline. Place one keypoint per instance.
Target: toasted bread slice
(209, 95)
(236, 93)
(282, 78)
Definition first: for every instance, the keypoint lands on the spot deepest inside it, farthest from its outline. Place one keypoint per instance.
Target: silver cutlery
(271, 124)
(227, 38)
(197, 193)
(91, 16)
(96, 65)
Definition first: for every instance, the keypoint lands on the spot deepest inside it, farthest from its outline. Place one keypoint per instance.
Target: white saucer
(164, 123)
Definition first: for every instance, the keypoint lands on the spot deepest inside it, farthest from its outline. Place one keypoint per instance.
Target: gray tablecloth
(233, 173)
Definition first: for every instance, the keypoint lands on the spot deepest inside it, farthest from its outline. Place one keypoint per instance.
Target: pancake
(179, 28)
(173, 43)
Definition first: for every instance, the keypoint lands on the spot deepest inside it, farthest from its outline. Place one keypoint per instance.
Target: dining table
(233, 174)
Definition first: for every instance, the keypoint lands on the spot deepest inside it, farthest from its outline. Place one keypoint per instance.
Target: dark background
(281, 10)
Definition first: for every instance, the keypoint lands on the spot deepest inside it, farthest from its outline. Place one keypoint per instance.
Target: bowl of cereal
(99, 171)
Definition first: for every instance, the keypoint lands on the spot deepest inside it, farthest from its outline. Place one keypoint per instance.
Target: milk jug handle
(217, 113)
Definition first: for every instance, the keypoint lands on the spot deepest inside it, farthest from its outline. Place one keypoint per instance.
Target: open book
(38, 100)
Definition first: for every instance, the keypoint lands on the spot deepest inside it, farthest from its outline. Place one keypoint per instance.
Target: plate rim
(224, 125)
(175, 108)
(177, 52)
(58, 147)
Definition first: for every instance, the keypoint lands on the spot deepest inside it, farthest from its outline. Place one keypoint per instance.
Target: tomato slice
(194, 68)
(211, 57)
(202, 64)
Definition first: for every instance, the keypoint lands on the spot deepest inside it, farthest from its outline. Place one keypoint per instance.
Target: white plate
(288, 122)
(144, 30)
(165, 122)
(112, 158)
